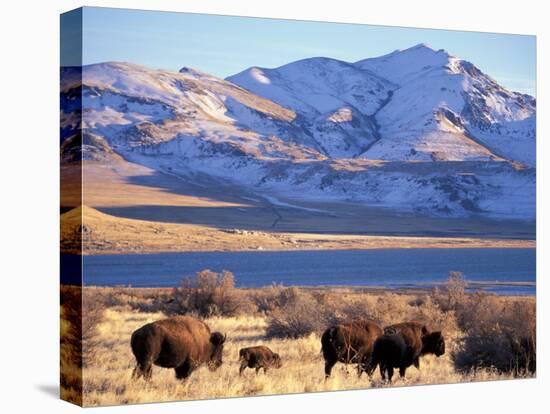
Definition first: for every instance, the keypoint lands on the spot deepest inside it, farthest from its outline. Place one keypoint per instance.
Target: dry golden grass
(107, 378)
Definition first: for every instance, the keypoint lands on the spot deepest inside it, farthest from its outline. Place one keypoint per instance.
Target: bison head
(277, 363)
(216, 340)
(433, 343)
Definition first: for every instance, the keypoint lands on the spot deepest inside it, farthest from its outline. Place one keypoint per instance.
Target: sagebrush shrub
(499, 333)
(452, 295)
(300, 314)
(208, 294)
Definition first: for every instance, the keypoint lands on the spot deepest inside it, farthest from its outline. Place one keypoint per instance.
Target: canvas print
(259, 206)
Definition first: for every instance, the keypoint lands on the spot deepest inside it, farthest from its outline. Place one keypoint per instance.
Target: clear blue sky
(223, 45)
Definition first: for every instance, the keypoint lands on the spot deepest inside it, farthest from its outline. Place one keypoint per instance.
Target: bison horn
(224, 337)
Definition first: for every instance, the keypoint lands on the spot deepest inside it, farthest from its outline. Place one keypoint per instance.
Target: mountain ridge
(322, 128)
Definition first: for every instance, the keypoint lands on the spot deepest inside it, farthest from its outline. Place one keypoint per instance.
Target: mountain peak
(423, 49)
(422, 46)
(400, 66)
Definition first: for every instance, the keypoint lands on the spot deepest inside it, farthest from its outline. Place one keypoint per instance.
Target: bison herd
(184, 343)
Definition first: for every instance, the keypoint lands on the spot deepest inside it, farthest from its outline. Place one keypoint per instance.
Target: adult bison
(258, 357)
(180, 342)
(350, 342)
(421, 340)
(391, 351)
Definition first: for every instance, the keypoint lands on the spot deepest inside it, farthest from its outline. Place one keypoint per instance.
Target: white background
(29, 100)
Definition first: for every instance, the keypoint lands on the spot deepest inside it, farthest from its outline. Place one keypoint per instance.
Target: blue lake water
(393, 268)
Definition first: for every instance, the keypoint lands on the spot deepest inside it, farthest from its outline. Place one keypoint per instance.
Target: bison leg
(367, 365)
(242, 367)
(258, 370)
(402, 371)
(390, 373)
(328, 367)
(416, 363)
(144, 370)
(265, 370)
(370, 370)
(383, 372)
(184, 370)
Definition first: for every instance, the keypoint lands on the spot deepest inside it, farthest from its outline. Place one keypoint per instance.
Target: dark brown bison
(419, 339)
(182, 342)
(391, 351)
(258, 357)
(350, 342)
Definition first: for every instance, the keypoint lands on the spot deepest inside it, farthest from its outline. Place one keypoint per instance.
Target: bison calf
(181, 342)
(258, 357)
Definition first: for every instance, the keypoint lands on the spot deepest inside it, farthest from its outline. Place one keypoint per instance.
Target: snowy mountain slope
(446, 135)
(320, 91)
(439, 94)
(135, 107)
(413, 104)
(402, 66)
(316, 85)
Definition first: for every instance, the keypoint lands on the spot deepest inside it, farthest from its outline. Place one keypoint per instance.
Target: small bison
(350, 342)
(402, 345)
(181, 342)
(258, 357)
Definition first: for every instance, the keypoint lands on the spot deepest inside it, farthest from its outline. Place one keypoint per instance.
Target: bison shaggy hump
(258, 357)
(181, 342)
(350, 342)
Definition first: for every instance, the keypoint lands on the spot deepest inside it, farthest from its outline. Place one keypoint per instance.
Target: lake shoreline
(345, 243)
(471, 288)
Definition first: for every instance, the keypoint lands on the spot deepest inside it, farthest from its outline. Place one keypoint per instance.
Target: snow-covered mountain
(335, 101)
(423, 104)
(446, 107)
(417, 129)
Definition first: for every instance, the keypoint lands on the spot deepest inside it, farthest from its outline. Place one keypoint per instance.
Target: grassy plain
(106, 379)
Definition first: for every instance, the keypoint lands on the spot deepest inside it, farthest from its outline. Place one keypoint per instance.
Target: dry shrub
(208, 294)
(153, 301)
(271, 298)
(93, 310)
(295, 312)
(390, 308)
(452, 295)
(81, 312)
(71, 344)
(298, 313)
(431, 314)
(356, 310)
(499, 333)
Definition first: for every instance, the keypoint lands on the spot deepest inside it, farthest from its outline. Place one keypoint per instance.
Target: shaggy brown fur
(350, 342)
(182, 342)
(258, 357)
